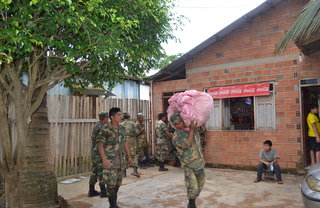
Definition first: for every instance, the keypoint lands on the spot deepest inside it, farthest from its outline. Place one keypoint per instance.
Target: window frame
(221, 123)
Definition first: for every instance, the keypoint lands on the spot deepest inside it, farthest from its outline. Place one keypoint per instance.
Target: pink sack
(192, 105)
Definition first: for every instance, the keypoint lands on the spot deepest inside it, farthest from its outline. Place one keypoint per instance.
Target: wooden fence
(72, 119)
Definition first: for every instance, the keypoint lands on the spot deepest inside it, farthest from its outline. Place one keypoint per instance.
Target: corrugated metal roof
(177, 70)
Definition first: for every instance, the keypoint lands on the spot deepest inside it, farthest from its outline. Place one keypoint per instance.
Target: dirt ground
(224, 188)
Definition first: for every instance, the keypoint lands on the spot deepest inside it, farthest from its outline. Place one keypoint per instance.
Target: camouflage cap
(103, 115)
(126, 115)
(175, 117)
(140, 115)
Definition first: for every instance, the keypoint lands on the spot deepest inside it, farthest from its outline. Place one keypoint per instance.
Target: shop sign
(247, 90)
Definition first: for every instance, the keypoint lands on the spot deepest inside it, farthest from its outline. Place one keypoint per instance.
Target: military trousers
(113, 179)
(133, 144)
(162, 152)
(142, 149)
(194, 181)
(97, 169)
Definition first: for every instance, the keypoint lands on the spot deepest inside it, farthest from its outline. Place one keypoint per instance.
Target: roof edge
(216, 37)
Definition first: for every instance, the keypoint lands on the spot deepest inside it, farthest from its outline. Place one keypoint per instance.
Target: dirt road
(224, 188)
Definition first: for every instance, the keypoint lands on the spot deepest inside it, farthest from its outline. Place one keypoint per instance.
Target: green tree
(305, 26)
(166, 60)
(44, 43)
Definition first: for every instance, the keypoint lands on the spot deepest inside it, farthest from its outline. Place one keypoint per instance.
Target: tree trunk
(38, 186)
(38, 183)
(12, 191)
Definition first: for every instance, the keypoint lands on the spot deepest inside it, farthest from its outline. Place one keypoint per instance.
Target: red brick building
(242, 53)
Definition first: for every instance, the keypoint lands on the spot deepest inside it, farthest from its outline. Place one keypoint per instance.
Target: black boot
(142, 165)
(116, 198)
(92, 192)
(135, 172)
(149, 164)
(192, 203)
(177, 163)
(162, 168)
(103, 190)
(125, 173)
(157, 163)
(112, 202)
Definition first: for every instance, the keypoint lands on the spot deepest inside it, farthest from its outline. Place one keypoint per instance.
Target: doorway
(310, 94)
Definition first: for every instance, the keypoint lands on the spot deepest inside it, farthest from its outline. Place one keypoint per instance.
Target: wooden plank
(55, 130)
(68, 137)
(76, 148)
(65, 135)
(87, 134)
(73, 131)
(60, 137)
(80, 134)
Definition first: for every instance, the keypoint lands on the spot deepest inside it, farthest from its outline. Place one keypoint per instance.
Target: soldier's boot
(157, 163)
(125, 173)
(162, 168)
(103, 190)
(177, 163)
(116, 198)
(192, 203)
(149, 164)
(135, 172)
(142, 165)
(112, 202)
(92, 192)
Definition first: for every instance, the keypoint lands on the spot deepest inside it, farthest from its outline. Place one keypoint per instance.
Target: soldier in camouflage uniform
(143, 146)
(162, 136)
(189, 150)
(203, 137)
(112, 148)
(96, 162)
(132, 141)
(173, 150)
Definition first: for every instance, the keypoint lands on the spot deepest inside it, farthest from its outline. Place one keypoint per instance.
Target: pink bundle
(192, 105)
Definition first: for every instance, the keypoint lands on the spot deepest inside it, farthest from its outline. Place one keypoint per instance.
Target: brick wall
(246, 56)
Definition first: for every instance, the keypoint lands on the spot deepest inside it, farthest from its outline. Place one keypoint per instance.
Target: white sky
(207, 17)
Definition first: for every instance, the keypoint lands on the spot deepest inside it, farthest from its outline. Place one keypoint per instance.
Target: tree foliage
(307, 23)
(166, 60)
(86, 41)
(43, 43)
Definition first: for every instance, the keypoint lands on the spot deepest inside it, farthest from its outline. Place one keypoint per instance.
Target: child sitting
(268, 160)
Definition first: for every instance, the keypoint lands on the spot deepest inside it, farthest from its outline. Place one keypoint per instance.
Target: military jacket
(202, 131)
(138, 127)
(190, 157)
(113, 140)
(161, 129)
(94, 148)
(129, 127)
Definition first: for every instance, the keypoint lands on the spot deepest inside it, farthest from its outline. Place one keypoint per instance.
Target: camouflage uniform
(96, 162)
(202, 131)
(131, 139)
(113, 140)
(191, 159)
(142, 149)
(162, 141)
